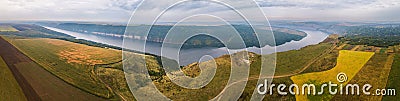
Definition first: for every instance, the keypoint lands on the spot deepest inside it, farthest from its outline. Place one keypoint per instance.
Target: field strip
(385, 74)
(10, 89)
(393, 79)
(355, 48)
(341, 47)
(11, 56)
(50, 87)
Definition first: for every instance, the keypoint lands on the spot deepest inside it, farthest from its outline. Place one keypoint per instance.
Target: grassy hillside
(293, 61)
(9, 88)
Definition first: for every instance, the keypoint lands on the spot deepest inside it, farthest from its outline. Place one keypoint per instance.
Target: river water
(187, 56)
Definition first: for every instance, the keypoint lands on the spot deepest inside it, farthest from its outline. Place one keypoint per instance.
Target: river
(187, 56)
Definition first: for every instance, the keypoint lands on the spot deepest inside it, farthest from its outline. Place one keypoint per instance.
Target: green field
(7, 28)
(9, 88)
(393, 80)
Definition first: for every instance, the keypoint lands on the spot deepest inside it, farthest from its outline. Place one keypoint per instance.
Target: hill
(158, 33)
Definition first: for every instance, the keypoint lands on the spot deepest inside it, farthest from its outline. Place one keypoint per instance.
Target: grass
(383, 50)
(348, 47)
(327, 62)
(9, 88)
(7, 28)
(115, 79)
(252, 84)
(74, 67)
(393, 80)
(293, 61)
(50, 87)
(341, 46)
(349, 62)
(175, 92)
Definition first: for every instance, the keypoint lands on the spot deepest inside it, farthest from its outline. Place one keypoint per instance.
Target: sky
(121, 10)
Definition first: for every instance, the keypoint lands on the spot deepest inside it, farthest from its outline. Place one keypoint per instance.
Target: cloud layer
(120, 10)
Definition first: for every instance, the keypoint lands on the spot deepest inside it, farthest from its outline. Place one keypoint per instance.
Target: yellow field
(348, 62)
(7, 28)
(9, 88)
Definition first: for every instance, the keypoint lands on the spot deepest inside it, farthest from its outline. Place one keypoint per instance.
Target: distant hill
(158, 33)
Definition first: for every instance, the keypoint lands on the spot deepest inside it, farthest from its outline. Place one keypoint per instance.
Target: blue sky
(120, 10)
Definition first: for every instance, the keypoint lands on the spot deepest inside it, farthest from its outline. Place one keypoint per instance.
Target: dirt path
(37, 83)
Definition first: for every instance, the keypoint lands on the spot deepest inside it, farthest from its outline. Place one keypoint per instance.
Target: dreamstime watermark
(211, 24)
(332, 88)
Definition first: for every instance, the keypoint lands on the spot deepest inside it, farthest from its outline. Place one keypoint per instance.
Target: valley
(91, 70)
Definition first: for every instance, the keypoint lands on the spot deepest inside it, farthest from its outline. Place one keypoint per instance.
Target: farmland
(349, 62)
(45, 86)
(10, 89)
(393, 79)
(374, 72)
(62, 59)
